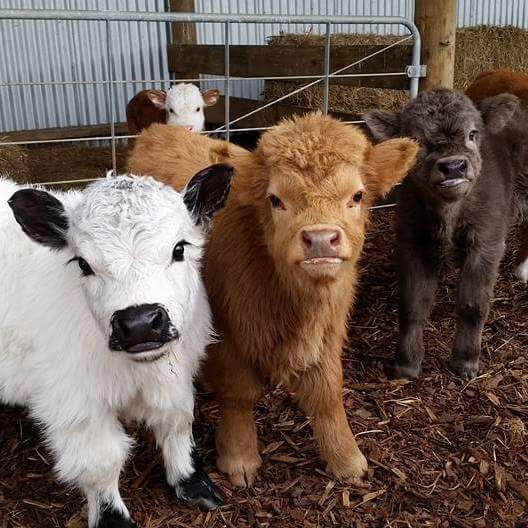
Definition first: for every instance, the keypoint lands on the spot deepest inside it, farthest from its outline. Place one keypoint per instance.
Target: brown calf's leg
(237, 387)
(319, 392)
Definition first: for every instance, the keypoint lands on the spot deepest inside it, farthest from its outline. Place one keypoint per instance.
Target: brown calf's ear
(157, 98)
(211, 97)
(388, 164)
(382, 124)
(498, 110)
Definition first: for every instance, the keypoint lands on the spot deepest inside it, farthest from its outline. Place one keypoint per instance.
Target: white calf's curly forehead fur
(55, 324)
(185, 107)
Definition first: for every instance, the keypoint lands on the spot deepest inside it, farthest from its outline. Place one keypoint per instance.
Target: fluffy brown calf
(281, 270)
(495, 82)
(489, 84)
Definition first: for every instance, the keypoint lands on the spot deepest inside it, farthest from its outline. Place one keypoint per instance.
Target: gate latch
(416, 71)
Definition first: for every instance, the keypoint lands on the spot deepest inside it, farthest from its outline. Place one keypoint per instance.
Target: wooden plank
(183, 33)
(268, 117)
(75, 132)
(437, 22)
(266, 61)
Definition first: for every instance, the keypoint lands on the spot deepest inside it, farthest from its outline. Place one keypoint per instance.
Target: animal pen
(395, 65)
(443, 453)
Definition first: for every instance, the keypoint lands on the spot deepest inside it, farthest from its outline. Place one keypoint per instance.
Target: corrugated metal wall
(72, 51)
(33, 51)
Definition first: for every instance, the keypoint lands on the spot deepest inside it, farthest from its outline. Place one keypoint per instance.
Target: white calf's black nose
(140, 328)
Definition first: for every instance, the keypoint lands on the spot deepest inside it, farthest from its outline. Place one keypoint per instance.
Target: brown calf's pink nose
(321, 243)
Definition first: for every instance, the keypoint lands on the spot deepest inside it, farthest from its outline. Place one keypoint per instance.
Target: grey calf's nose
(453, 168)
(321, 242)
(140, 328)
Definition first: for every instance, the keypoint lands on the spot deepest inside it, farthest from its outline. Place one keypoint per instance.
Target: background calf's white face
(132, 242)
(185, 106)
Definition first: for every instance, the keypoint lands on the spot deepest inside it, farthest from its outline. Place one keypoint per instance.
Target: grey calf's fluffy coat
(455, 206)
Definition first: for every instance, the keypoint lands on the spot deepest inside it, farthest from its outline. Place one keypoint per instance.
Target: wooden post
(437, 23)
(183, 32)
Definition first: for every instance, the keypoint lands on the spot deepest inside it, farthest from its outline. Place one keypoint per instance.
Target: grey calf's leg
(475, 290)
(418, 282)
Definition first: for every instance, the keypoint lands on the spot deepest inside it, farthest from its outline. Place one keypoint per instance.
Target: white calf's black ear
(498, 110)
(207, 191)
(41, 216)
(382, 124)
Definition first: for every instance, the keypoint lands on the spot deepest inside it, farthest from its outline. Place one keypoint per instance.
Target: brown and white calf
(281, 270)
(182, 105)
(455, 205)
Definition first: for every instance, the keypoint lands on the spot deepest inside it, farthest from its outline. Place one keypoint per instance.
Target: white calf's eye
(171, 111)
(178, 251)
(83, 266)
(198, 109)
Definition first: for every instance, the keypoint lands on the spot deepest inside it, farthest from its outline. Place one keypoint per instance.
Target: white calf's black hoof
(110, 518)
(198, 489)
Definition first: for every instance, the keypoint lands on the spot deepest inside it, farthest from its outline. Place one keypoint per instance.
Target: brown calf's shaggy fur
(281, 270)
(489, 84)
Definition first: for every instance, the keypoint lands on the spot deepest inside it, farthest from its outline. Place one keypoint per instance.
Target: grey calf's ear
(207, 191)
(498, 110)
(382, 124)
(41, 216)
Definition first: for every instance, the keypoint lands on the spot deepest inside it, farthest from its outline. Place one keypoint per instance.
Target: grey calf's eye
(473, 135)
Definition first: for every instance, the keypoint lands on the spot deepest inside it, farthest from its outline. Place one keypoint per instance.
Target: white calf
(185, 106)
(103, 316)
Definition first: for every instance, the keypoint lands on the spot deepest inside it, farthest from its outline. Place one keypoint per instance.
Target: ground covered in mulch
(442, 452)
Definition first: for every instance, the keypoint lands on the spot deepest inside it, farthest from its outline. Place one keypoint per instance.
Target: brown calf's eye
(276, 202)
(473, 135)
(355, 199)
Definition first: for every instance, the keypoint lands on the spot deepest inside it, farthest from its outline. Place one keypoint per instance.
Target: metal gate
(108, 22)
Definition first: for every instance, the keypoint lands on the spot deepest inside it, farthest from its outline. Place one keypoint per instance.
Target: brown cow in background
(281, 270)
(492, 83)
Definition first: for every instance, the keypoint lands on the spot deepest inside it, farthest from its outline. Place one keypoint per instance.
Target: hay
(14, 163)
(55, 162)
(504, 47)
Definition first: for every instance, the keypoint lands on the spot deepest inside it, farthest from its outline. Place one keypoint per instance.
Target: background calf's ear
(211, 97)
(157, 98)
(498, 110)
(382, 124)
(207, 192)
(41, 216)
(388, 163)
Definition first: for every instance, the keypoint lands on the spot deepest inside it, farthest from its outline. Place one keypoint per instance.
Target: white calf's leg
(182, 464)
(91, 454)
